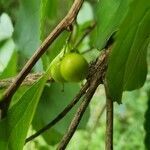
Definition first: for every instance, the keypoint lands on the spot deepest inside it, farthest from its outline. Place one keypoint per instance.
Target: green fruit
(74, 67)
(55, 72)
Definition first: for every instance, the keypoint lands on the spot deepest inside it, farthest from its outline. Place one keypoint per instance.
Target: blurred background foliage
(23, 25)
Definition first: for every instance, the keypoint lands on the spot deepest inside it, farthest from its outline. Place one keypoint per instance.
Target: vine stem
(63, 25)
(109, 121)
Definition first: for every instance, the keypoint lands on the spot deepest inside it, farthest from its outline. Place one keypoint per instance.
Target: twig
(63, 25)
(88, 31)
(95, 80)
(29, 80)
(109, 121)
(60, 115)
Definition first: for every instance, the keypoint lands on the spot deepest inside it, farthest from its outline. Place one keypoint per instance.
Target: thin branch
(63, 25)
(109, 121)
(75, 122)
(88, 31)
(60, 115)
(29, 80)
(95, 80)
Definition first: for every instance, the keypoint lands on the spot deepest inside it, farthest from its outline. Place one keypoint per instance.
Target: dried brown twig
(29, 80)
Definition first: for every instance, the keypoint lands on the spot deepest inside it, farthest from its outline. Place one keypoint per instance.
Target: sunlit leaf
(7, 51)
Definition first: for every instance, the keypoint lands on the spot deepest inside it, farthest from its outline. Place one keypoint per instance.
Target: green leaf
(109, 15)
(51, 15)
(11, 68)
(6, 27)
(8, 59)
(127, 66)
(8, 54)
(27, 29)
(13, 129)
(22, 89)
(52, 102)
